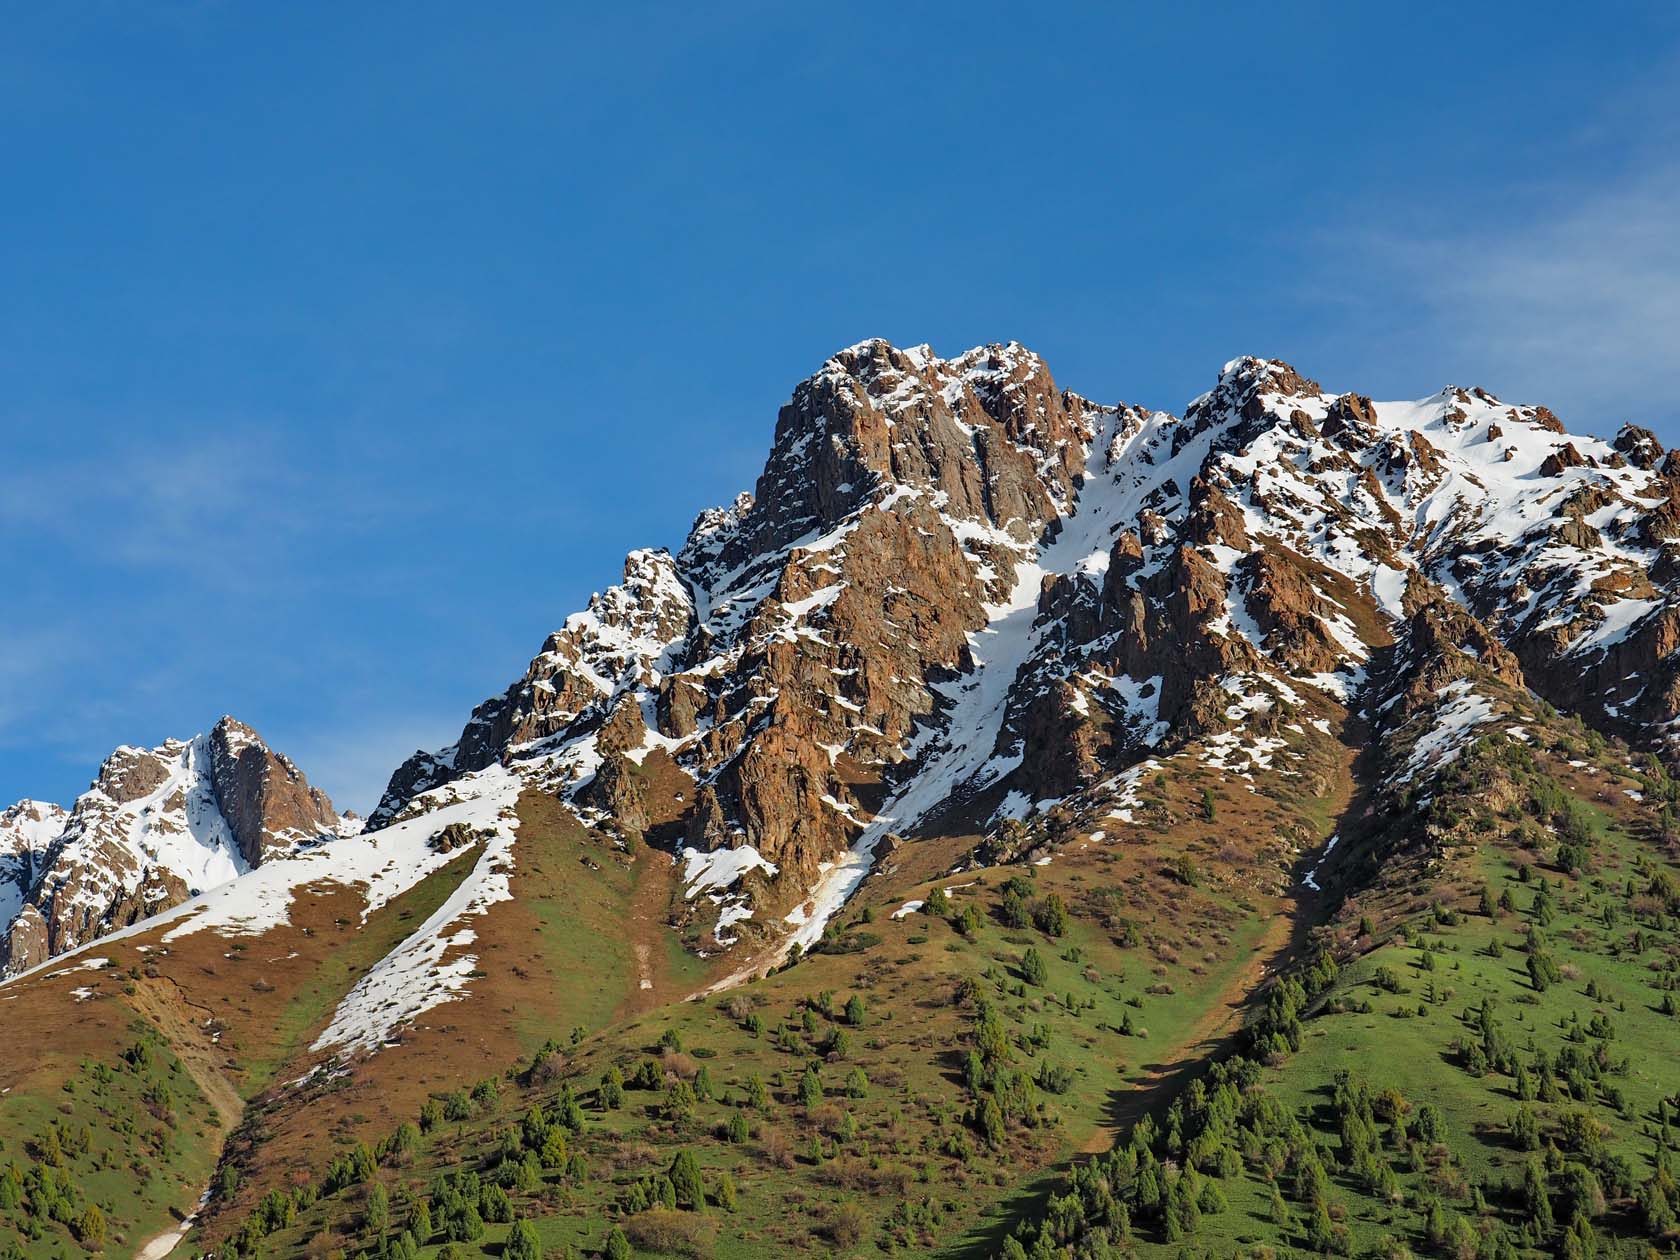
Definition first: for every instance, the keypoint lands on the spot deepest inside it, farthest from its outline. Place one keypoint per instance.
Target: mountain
(960, 589)
(1022, 825)
(157, 826)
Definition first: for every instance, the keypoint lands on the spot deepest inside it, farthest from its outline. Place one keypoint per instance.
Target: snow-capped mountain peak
(961, 595)
(156, 826)
(929, 531)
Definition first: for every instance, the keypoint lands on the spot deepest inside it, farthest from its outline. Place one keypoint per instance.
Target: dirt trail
(1286, 933)
(183, 1027)
(650, 902)
(165, 1243)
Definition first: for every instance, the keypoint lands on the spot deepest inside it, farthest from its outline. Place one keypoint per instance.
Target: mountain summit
(961, 590)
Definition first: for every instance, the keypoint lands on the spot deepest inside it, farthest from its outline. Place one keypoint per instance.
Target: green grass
(140, 1167)
(906, 1188)
(581, 906)
(1406, 1040)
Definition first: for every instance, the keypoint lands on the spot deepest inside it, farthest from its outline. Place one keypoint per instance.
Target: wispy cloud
(231, 502)
(1562, 288)
(158, 575)
(1579, 305)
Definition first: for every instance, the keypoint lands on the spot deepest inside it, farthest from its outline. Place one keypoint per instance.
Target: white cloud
(223, 508)
(1560, 285)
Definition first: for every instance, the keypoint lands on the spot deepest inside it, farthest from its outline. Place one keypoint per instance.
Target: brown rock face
(1661, 524)
(1063, 750)
(1165, 627)
(1351, 422)
(267, 802)
(989, 430)
(1565, 456)
(1444, 644)
(613, 643)
(1575, 532)
(904, 601)
(1289, 607)
(1214, 518)
(1638, 446)
(619, 789)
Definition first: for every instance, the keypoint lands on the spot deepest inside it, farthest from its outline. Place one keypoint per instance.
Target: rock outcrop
(266, 801)
(27, 832)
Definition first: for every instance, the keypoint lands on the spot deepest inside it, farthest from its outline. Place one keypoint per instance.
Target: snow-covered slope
(429, 966)
(27, 831)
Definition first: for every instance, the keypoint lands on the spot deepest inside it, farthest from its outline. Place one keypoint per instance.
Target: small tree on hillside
(612, 1088)
(1051, 915)
(685, 1180)
(522, 1242)
(739, 1131)
(376, 1217)
(1033, 970)
(810, 1090)
(90, 1229)
(724, 1195)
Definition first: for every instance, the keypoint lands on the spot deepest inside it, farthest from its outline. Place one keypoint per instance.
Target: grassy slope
(1412, 1040)
(144, 1161)
(560, 955)
(226, 1043)
(310, 1006)
(1405, 1039)
(906, 1188)
(585, 945)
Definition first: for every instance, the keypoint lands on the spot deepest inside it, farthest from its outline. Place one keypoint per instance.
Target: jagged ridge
(960, 588)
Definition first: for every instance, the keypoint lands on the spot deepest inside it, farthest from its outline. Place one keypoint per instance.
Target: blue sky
(344, 349)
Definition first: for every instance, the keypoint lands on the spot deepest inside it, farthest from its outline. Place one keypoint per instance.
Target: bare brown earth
(186, 1028)
(585, 924)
